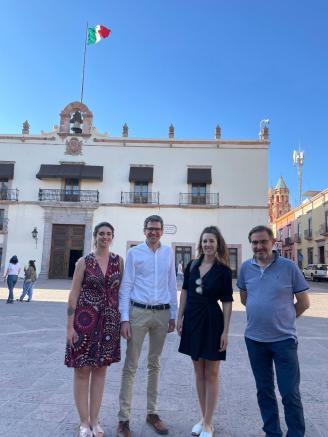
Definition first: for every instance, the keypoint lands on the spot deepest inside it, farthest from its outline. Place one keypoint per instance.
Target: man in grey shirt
(268, 284)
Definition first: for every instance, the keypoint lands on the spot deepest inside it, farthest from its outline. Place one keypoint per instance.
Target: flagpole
(84, 55)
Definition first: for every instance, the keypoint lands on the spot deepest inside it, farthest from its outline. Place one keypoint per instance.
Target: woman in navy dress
(93, 327)
(202, 324)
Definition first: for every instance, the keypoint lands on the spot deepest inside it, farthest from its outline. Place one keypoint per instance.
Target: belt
(163, 306)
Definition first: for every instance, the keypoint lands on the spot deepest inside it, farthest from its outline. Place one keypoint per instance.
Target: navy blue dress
(203, 317)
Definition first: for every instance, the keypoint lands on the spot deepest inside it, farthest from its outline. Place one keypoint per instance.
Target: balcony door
(67, 245)
(198, 194)
(140, 192)
(72, 190)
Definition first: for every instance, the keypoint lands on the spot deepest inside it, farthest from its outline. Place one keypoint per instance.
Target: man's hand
(126, 330)
(171, 325)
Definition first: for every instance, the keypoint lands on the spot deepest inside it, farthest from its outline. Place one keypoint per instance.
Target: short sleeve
(241, 279)
(226, 292)
(299, 282)
(185, 284)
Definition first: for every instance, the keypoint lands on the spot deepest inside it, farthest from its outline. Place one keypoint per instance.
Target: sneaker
(155, 422)
(123, 429)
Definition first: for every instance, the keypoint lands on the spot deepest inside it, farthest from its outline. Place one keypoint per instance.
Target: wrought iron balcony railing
(53, 195)
(199, 199)
(9, 194)
(298, 238)
(131, 197)
(288, 241)
(323, 229)
(308, 234)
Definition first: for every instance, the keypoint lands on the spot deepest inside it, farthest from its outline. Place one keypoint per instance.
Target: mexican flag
(95, 34)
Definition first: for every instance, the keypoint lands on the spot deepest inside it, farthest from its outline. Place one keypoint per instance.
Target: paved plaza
(36, 388)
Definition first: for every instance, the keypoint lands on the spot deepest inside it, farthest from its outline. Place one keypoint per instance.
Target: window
(198, 194)
(299, 230)
(310, 226)
(326, 221)
(2, 219)
(310, 255)
(233, 260)
(3, 189)
(72, 190)
(289, 231)
(0, 257)
(182, 254)
(141, 192)
(280, 234)
(300, 258)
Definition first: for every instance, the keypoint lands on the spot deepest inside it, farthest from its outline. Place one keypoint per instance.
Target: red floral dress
(97, 318)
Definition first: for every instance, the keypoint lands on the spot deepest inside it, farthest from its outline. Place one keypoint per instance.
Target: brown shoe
(157, 424)
(123, 429)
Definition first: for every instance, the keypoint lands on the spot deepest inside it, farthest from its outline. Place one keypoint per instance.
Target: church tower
(278, 200)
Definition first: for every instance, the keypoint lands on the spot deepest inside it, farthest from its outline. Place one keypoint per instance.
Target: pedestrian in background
(11, 276)
(29, 280)
(268, 285)
(202, 324)
(93, 327)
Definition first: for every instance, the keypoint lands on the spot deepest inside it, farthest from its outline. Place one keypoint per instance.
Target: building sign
(170, 229)
(278, 246)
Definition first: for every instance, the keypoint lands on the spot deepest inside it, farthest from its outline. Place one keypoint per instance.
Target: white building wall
(239, 172)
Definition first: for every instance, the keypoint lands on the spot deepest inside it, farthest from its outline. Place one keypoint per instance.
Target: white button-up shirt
(149, 278)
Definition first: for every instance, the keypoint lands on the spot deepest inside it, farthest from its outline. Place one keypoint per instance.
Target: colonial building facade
(302, 233)
(54, 187)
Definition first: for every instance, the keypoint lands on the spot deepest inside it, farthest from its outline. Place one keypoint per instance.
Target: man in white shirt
(148, 304)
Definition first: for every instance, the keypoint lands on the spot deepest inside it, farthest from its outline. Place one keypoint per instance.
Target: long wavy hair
(222, 254)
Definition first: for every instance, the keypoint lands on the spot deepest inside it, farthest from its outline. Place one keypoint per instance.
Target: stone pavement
(36, 388)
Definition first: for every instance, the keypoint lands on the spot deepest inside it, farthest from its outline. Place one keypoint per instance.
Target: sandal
(197, 429)
(97, 431)
(85, 431)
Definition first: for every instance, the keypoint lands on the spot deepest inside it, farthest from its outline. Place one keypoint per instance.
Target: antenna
(298, 161)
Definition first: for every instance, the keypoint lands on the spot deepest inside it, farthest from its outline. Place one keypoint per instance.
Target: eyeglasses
(199, 283)
(153, 229)
(262, 242)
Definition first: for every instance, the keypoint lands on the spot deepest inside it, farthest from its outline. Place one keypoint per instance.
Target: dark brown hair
(100, 225)
(153, 218)
(260, 228)
(222, 250)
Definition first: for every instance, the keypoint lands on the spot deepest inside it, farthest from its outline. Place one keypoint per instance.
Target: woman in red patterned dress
(93, 327)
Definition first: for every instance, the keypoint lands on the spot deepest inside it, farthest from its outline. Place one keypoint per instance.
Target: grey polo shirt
(270, 292)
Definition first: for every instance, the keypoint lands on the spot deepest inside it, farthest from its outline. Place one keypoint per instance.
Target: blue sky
(193, 63)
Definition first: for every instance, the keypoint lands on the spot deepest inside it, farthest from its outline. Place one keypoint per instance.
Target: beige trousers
(142, 321)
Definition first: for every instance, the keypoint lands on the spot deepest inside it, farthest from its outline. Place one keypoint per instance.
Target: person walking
(30, 278)
(93, 327)
(201, 322)
(11, 276)
(268, 285)
(148, 302)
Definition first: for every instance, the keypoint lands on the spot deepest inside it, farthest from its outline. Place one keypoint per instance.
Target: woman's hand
(71, 336)
(179, 326)
(223, 342)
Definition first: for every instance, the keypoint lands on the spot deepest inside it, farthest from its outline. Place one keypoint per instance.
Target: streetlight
(298, 160)
(35, 235)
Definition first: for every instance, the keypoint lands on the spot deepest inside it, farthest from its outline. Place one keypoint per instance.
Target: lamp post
(35, 235)
(298, 160)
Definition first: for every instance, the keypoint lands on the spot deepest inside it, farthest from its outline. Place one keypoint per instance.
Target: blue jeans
(284, 356)
(27, 290)
(11, 282)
